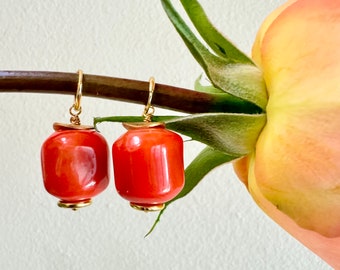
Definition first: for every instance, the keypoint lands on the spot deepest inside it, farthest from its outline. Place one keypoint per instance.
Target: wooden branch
(165, 96)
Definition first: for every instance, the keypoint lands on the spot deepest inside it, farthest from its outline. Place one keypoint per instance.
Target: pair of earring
(147, 161)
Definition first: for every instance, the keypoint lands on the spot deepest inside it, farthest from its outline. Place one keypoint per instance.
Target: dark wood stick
(165, 96)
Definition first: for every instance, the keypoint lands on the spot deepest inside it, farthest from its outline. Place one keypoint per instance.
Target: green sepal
(203, 84)
(243, 81)
(225, 102)
(231, 133)
(236, 77)
(127, 119)
(215, 40)
(207, 160)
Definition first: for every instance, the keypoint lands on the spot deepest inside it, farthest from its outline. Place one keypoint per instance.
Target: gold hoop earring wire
(149, 109)
(75, 109)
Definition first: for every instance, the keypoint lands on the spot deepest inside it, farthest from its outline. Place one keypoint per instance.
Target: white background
(217, 226)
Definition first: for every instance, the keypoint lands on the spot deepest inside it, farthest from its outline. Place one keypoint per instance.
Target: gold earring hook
(148, 112)
(75, 109)
(79, 91)
(149, 109)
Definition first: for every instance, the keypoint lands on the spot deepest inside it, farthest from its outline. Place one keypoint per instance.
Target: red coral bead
(75, 165)
(148, 165)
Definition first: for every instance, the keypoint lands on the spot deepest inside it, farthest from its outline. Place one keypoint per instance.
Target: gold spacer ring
(74, 205)
(148, 208)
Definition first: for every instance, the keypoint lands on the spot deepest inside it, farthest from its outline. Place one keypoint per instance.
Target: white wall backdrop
(217, 226)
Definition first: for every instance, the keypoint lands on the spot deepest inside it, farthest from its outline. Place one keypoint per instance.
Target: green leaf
(231, 133)
(243, 80)
(216, 41)
(206, 161)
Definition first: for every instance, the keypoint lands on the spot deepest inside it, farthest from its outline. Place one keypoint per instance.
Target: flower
(275, 115)
(294, 172)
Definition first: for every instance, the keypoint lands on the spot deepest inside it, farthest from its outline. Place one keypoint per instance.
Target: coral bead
(148, 166)
(75, 165)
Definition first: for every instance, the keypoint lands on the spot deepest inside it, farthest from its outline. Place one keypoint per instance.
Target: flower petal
(256, 52)
(297, 164)
(300, 54)
(298, 167)
(326, 248)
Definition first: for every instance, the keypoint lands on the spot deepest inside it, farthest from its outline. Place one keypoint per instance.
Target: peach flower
(294, 172)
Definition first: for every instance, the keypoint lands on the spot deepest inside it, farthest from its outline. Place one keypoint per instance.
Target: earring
(75, 160)
(148, 162)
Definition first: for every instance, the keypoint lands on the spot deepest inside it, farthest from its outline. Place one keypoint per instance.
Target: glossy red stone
(75, 165)
(148, 166)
